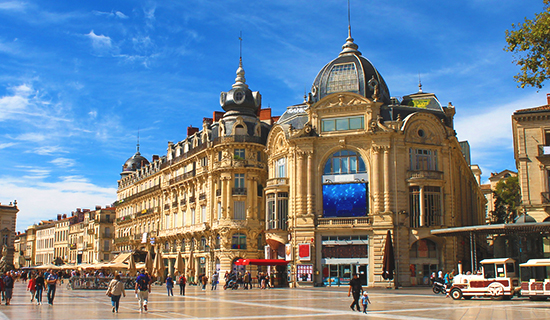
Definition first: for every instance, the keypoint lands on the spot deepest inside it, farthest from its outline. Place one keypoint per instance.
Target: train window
(489, 271)
(500, 271)
(510, 268)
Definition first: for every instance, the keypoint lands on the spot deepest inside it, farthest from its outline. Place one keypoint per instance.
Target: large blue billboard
(345, 200)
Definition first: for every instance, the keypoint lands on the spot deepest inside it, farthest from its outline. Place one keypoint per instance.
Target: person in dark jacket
(39, 288)
(8, 285)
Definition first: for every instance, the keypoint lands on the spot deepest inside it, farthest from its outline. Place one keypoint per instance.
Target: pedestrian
(115, 290)
(170, 285)
(31, 287)
(249, 279)
(8, 284)
(246, 280)
(355, 288)
(39, 284)
(51, 280)
(2, 287)
(182, 281)
(215, 279)
(143, 288)
(365, 301)
(204, 282)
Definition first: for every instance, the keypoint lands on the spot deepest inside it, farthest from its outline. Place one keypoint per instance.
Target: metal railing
(239, 191)
(93, 283)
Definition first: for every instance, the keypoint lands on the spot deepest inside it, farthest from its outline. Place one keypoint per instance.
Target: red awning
(261, 262)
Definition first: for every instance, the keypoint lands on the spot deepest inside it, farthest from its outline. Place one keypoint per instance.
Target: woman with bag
(115, 290)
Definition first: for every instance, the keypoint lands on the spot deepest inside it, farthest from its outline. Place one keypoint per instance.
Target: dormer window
(343, 77)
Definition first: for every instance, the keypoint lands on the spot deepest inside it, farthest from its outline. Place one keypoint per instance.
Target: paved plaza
(312, 303)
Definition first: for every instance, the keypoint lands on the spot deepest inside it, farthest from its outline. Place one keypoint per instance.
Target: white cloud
(111, 14)
(48, 150)
(63, 162)
(102, 44)
(13, 5)
(7, 145)
(121, 15)
(38, 200)
(93, 114)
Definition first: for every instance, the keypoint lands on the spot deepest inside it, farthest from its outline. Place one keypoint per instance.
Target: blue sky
(79, 78)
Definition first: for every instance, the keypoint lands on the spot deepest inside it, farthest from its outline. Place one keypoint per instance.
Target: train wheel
(496, 290)
(456, 294)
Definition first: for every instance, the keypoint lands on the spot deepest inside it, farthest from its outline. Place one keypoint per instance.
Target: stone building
(531, 131)
(44, 242)
(350, 163)
(489, 188)
(8, 218)
(203, 199)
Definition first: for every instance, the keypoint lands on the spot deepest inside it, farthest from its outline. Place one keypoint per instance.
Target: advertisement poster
(288, 252)
(304, 252)
(305, 272)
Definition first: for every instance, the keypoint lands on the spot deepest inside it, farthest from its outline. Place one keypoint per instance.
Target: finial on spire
(138, 142)
(419, 84)
(349, 46)
(240, 81)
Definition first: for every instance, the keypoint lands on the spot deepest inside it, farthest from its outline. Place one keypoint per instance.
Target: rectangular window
(414, 206)
(432, 206)
(219, 210)
(281, 168)
(193, 221)
(219, 156)
(204, 161)
(175, 220)
(203, 213)
(239, 180)
(342, 124)
(239, 154)
(423, 159)
(240, 210)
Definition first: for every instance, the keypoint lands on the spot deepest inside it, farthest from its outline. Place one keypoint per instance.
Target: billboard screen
(345, 200)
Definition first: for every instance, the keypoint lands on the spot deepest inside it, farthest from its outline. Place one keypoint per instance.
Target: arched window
(238, 241)
(345, 162)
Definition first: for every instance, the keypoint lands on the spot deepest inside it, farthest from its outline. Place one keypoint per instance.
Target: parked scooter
(439, 286)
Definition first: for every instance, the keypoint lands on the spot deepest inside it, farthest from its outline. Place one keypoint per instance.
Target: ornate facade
(351, 163)
(204, 198)
(8, 218)
(531, 131)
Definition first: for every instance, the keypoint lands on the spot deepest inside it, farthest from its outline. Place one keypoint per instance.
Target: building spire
(350, 46)
(240, 80)
(419, 84)
(137, 151)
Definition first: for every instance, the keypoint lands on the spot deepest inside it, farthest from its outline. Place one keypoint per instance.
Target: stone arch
(423, 128)
(239, 127)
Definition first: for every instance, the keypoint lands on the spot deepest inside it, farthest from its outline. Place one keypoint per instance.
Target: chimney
(58, 217)
(217, 115)
(191, 130)
(78, 210)
(98, 207)
(548, 98)
(64, 216)
(155, 157)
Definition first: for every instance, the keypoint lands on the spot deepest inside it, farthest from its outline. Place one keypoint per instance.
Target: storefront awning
(261, 262)
(509, 228)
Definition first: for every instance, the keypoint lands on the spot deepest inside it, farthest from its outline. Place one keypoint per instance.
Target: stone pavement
(312, 303)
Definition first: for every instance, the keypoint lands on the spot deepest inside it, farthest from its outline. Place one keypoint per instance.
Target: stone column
(299, 182)
(229, 197)
(387, 179)
(375, 179)
(310, 175)
(249, 197)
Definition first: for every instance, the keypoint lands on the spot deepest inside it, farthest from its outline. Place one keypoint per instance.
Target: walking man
(215, 278)
(143, 288)
(52, 282)
(355, 288)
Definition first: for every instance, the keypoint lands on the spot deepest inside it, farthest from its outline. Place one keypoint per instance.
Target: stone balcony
(424, 175)
(344, 222)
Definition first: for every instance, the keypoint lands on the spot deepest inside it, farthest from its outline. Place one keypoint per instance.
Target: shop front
(343, 256)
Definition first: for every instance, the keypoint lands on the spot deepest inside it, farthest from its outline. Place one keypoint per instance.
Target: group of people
(37, 282)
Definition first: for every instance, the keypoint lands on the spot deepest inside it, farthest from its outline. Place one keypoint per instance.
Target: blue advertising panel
(345, 200)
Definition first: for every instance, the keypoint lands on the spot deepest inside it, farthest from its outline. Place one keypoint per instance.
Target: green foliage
(507, 199)
(530, 44)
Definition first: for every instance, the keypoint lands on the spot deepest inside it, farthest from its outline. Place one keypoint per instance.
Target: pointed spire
(349, 46)
(419, 84)
(240, 80)
(137, 151)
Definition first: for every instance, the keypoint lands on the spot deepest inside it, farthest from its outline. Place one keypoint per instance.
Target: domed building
(351, 163)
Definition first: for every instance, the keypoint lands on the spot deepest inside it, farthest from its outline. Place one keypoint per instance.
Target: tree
(507, 199)
(530, 44)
